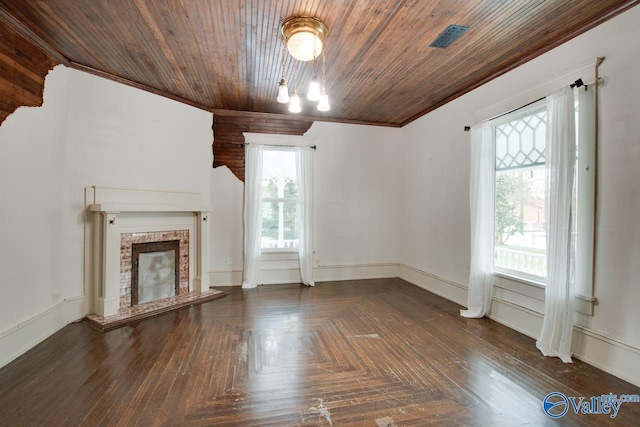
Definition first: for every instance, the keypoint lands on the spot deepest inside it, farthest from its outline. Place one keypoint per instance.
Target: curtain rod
(577, 83)
(313, 147)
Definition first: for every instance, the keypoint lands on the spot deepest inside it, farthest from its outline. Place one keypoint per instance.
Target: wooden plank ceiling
(225, 54)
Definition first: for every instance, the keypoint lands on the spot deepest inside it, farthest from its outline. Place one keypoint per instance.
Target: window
(520, 191)
(280, 200)
(520, 230)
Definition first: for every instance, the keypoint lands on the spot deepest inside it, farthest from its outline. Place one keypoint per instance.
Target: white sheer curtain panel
(252, 214)
(481, 198)
(557, 327)
(304, 166)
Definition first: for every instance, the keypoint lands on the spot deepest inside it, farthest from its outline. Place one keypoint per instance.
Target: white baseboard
(609, 354)
(18, 339)
(445, 288)
(322, 273)
(595, 348)
(225, 278)
(332, 273)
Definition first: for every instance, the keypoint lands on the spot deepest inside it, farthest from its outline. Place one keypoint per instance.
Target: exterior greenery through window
(280, 200)
(520, 229)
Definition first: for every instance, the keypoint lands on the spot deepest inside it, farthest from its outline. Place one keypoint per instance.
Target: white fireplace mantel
(113, 211)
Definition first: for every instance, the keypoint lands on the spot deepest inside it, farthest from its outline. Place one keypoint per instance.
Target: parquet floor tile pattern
(377, 352)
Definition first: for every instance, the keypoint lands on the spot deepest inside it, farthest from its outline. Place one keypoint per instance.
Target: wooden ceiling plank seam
(32, 37)
(145, 52)
(231, 28)
(69, 44)
(222, 65)
(249, 52)
(80, 22)
(137, 54)
(271, 51)
(275, 53)
(263, 55)
(185, 25)
(183, 87)
(206, 46)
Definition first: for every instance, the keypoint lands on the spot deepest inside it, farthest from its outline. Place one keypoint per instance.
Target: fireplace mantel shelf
(146, 207)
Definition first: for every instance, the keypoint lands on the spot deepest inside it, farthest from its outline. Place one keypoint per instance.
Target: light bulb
(283, 92)
(323, 104)
(294, 105)
(314, 90)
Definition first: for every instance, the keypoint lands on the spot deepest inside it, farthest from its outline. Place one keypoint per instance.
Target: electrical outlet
(229, 261)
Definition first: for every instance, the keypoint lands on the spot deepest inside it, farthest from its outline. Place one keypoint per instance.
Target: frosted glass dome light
(305, 37)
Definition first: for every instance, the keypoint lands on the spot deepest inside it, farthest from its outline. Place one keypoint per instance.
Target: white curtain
(252, 214)
(304, 166)
(557, 327)
(481, 198)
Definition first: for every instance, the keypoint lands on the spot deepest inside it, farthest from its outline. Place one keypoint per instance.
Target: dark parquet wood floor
(371, 353)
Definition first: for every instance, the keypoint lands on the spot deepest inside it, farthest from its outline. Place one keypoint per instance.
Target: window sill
(521, 279)
(279, 251)
(532, 288)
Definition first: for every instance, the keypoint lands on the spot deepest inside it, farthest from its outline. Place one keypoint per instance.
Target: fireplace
(158, 260)
(145, 251)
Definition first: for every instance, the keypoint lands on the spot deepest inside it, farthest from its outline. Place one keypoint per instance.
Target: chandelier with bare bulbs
(304, 38)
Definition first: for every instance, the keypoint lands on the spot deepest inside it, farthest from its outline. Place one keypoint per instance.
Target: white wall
(435, 249)
(90, 131)
(356, 209)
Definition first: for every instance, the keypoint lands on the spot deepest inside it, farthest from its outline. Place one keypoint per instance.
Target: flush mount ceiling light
(304, 38)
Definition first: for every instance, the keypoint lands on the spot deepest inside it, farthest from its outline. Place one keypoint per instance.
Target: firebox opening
(155, 272)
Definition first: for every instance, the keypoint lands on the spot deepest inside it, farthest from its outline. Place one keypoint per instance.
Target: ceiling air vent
(448, 36)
